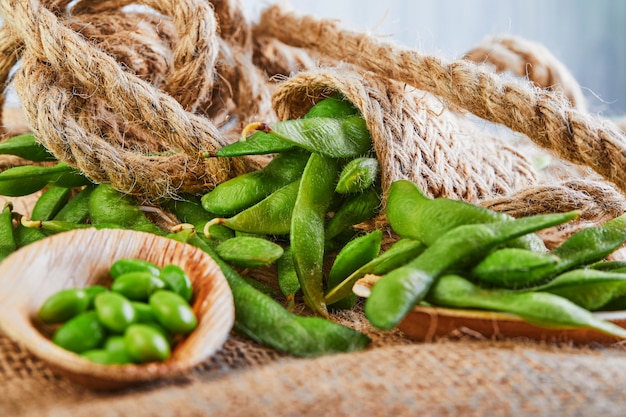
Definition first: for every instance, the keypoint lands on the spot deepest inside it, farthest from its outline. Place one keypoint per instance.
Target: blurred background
(588, 37)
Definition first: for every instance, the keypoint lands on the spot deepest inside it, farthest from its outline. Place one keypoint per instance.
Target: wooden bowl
(82, 257)
(429, 323)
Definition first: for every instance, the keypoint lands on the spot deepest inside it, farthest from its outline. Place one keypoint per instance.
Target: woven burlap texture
(395, 377)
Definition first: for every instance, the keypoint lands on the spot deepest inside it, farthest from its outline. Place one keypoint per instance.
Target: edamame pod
(287, 276)
(50, 203)
(336, 106)
(245, 190)
(588, 288)
(307, 228)
(109, 206)
(77, 208)
(400, 253)
(336, 138)
(357, 175)
(271, 216)
(412, 214)
(397, 292)
(259, 143)
(356, 209)
(354, 255)
(24, 236)
(590, 244)
(26, 146)
(539, 308)
(26, 179)
(8, 243)
(249, 252)
(276, 327)
(513, 268)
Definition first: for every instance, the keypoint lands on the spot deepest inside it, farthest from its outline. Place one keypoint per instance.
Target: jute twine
(525, 58)
(131, 98)
(546, 117)
(414, 136)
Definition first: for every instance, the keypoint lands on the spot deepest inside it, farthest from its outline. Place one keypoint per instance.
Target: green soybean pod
(126, 265)
(591, 244)
(27, 179)
(114, 311)
(109, 206)
(307, 228)
(588, 288)
(397, 292)
(277, 327)
(63, 305)
(358, 175)
(287, 276)
(513, 268)
(411, 214)
(399, 254)
(245, 190)
(271, 216)
(24, 236)
(336, 106)
(177, 280)
(173, 312)
(137, 286)
(50, 202)
(82, 332)
(146, 344)
(77, 208)
(336, 138)
(26, 146)
(615, 266)
(354, 255)
(259, 143)
(249, 252)
(356, 209)
(8, 243)
(539, 308)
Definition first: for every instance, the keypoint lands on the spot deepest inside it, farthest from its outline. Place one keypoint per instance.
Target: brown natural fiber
(545, 117)
(414, 136)
(532, 60)
(57, 94)
(131, 97)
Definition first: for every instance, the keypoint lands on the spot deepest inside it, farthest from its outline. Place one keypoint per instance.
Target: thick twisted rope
(545, 117)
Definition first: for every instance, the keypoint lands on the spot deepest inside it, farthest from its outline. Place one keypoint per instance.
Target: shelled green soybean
(137, 320)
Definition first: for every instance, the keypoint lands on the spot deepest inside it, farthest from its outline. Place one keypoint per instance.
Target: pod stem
(254, 127)
(31, 224)
(207, 226)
